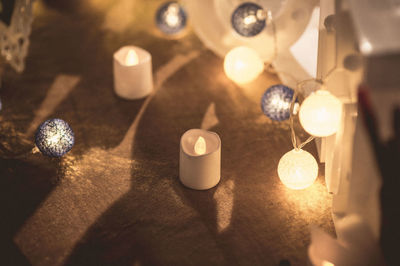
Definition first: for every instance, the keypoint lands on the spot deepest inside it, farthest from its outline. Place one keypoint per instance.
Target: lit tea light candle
(132, 72)
(200, 159)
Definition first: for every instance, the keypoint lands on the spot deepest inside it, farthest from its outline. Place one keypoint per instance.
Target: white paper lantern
(320, 114)
(297, 169)
(243, 65)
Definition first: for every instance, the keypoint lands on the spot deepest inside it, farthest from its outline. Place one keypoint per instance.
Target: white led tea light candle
(320, 114)
(200, 159)
(132, 73)
(243, 65)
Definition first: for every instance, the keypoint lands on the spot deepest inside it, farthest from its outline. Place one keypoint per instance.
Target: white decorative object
(243, 65)
(320, 114)
(133, 77)
(297, 169)
(211, 21)
(200, 159)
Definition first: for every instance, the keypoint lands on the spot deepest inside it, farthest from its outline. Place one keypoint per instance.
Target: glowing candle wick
(131, 58)
(200, 146)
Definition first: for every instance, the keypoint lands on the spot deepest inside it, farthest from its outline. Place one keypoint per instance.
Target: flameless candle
(200, 159)
(242, 64)
(132, 72)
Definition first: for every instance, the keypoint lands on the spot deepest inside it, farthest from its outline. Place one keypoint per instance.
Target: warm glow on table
(132, 67)
(327, 263)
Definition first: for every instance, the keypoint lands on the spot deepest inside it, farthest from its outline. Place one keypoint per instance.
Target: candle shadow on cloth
(23, 183)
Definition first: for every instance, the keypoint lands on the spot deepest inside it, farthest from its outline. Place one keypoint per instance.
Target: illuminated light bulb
(131, 58)
(171, 18)
(248, 19)
(200, 146)
(243, 64)
(320, 114)
(54, 137)
(327, 263)
(297, 169)
(275, 102)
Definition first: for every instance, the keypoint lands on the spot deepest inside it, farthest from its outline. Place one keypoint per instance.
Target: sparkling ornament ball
(275, 102)
(320, 114)
(171, 18)
(54, 137)
(248, 19)
(297, 169)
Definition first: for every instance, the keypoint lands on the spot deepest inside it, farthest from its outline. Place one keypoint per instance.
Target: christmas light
(320, 114)
(242, 64)
(275, 102)
(54, 137)
(297, 169)
(248, 19)
(171, 18)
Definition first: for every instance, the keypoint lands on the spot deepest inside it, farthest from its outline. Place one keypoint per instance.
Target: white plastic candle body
(200, 159)
(133, 77)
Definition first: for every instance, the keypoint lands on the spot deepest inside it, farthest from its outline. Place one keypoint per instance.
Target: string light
(171, 18)
(320, 114)
(54, 137)
(242, 64)
(297, 169)
(248, 19)
(275, 102)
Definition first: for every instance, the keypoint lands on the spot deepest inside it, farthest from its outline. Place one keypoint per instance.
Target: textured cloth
(115, 198)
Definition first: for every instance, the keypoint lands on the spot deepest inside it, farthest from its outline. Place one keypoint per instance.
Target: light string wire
(299, 84)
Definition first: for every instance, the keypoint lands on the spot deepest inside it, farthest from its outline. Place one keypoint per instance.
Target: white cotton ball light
(243, 64)
(297, 169)
(320, 114)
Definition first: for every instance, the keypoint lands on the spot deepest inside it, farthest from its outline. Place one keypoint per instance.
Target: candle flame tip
(200, 146)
